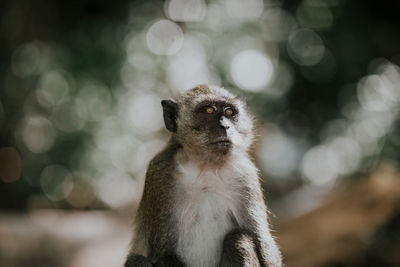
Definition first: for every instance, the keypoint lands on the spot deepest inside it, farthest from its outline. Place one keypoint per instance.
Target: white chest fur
(207, 202)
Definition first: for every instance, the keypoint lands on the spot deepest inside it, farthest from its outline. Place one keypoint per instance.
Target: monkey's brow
(206, 103)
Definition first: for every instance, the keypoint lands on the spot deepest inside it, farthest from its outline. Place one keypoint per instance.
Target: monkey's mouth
(221, 146)
(224, 142)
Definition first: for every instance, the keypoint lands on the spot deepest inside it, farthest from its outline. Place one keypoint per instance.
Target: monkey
(202, 203)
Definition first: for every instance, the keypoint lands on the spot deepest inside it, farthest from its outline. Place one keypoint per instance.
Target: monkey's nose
(226, 127)
(224, 124)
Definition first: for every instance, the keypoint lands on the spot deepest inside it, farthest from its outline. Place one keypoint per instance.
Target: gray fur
(202, 203)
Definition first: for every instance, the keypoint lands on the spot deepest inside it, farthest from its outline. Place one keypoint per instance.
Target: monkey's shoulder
(164, 162)
(158, 185)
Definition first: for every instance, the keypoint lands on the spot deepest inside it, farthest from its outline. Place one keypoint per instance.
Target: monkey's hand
(170, 260)
(137, 261)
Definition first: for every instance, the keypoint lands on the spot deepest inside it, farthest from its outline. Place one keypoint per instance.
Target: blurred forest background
(80, 118)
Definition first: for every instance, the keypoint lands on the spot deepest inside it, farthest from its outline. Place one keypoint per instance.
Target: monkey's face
(210, 127)
(211, 124)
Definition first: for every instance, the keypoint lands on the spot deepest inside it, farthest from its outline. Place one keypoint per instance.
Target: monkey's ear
(170, 112)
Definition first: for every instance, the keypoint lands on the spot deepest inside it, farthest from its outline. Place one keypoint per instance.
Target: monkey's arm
(154, 226)
(153, 244)
(135, 260)
(239, 250)
(251, 244)
(257, 223)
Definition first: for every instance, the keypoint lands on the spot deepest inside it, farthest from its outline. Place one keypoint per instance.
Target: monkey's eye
(210, 110)
(228, 112)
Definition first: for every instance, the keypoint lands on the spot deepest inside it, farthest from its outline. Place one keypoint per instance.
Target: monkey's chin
(222, 147)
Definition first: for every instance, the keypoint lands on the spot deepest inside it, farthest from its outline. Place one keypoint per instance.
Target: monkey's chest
(206, 214)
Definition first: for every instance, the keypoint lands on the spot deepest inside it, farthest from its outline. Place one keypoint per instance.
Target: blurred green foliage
(81, 84)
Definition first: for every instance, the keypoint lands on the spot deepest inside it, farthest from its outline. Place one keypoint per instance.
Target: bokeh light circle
(249, 9)
(53, 86)
(144, 113)
(38, 134)
(164, 37)
(315, 16)
(279, 154)
(25, 60)
(320, 166)
(56, 182)
(185, 10)
(305, 47)
(251, 70)
(376, 93)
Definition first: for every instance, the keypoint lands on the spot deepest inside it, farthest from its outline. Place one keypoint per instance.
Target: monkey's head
(209, 122)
